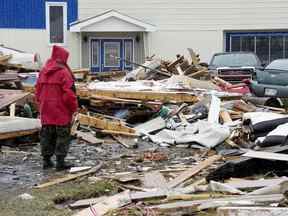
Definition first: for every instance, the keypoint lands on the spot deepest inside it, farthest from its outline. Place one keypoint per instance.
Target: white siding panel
(192, 14)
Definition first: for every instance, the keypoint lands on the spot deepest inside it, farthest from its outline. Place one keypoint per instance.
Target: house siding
(30, 14)
(200, 25)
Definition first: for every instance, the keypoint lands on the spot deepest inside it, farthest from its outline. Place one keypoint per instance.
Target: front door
(111, 54)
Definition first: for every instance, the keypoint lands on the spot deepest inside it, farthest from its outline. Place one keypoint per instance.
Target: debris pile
(174, 106)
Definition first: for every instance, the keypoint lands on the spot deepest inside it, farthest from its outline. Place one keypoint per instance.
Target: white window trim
(64, 5)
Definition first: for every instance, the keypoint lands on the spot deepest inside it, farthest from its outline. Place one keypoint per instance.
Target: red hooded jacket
(57, 101)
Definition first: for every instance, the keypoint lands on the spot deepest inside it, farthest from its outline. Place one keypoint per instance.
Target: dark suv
(234, 66)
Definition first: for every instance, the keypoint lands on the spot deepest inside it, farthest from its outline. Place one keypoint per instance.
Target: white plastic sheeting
(200, 133)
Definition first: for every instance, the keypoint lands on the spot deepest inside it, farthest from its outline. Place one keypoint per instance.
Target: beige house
(109, 35)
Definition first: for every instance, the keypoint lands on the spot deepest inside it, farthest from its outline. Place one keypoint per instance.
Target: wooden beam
(106, 125)
(107, 204)
(225, 116)
(193, 171)
(11, 135)
(178, 97)
(69, 177)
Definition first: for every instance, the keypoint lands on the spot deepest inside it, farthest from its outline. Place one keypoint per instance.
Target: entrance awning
(111, 21)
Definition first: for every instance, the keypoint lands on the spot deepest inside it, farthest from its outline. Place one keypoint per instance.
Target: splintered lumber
(12, 127)
(194, 58)
(193, 171)
(86, 202)
(225, 116)
(151, 125)
(266, 155)
(107, 204)
(199, 73)
(273, 198)
(88, 137)
(70, 177)
(111, 126)
(154, 179)
(251, 211)
(259, 183)
(128, 142)
(172, 65)
(124, 101)
(177, 97)
(8, 97)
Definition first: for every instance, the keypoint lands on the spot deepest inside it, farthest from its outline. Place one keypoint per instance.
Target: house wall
(138, 46)
(36, 41)
(196, 24)
(23, 27)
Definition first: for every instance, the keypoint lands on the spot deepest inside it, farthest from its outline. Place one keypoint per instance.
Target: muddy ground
(21, 167)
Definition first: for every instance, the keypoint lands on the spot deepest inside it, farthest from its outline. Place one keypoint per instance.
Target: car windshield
(281, 64)
(235, 60)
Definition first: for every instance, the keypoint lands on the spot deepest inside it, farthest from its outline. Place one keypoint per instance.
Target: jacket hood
(58, 60)
(59, 54)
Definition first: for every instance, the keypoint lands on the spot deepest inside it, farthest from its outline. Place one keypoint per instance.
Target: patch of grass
(44, 200)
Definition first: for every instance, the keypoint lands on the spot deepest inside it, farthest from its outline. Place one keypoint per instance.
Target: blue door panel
(98, 53)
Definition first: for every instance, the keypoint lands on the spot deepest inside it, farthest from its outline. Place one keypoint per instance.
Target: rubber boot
(47, 163)
(61, 164)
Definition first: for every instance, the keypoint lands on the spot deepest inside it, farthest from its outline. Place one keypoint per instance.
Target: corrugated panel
(30, 14)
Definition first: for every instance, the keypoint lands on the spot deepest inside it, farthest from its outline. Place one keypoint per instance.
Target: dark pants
(55, 140)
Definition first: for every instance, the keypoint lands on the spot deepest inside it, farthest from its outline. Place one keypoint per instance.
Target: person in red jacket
(57, 103)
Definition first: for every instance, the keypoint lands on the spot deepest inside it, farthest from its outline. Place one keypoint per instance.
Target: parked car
(273, 81)
(234, 66)
(28, 60)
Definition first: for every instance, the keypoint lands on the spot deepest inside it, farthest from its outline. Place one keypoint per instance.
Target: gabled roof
(79, 26)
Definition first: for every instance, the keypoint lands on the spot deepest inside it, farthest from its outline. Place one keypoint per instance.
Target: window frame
(269, 34)
(64, 6)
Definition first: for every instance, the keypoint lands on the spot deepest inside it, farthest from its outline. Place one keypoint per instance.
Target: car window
(278, 65)
(235, 60)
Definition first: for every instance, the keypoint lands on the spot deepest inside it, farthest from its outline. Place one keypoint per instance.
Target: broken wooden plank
(274, 198)
(79, 169)
(124, 101)
(154, 179)
(8, 97)
(69, 177)
(259, 183)
(128, 142)
(136, 196)
(86, 202)
(266, 155)
(107, 125)
(251, 211)
(12, 127)
(225, 116)
(193, 171)
(89, 137)
(151, 125)
(107, 204)
(177, 97)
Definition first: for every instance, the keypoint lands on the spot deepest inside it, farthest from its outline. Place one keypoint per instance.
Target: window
(267, 45)
(128, 50)
(56, 21)
(112, 53)
(95, 53)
